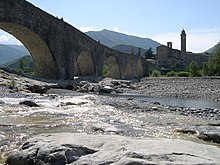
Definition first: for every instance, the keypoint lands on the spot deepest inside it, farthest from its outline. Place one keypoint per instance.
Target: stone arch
(85, 64)
(128, 72)
(140, 71)
(45, 64)
(113, 65)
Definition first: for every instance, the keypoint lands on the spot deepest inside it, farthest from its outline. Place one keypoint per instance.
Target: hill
(15, 64)
(11, 52)
(113, 39)
(210, 50)
(128, 49)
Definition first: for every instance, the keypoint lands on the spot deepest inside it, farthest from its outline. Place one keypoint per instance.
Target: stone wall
(167, 58)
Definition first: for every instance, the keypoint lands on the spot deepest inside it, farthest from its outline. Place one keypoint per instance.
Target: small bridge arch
(113, 66)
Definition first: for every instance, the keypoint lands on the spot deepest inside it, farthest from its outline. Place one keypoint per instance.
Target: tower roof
(183, 32)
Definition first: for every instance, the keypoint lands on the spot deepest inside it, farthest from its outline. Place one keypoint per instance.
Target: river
(87, 114)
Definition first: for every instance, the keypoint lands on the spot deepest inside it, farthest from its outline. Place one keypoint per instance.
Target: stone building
(169, 59)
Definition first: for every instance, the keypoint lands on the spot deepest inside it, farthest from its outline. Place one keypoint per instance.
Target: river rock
(103, 127)
(37, 88)
(207, 136)
(29, 103)
(70, 148)
(2, 102)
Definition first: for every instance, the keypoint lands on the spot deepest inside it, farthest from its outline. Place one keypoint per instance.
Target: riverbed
(92, 114)
(135, 115)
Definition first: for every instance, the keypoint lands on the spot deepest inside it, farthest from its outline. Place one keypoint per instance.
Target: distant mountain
(113, 39)
(210, 50)
(128, 49)
(11, 52)
(15, 64)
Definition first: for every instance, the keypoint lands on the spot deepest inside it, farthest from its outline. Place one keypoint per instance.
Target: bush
(12, 83)
(171, 74)
(155, 73)
(105, 71)
(183, 74)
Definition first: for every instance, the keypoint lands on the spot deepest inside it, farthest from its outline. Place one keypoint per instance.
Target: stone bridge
(59, 50)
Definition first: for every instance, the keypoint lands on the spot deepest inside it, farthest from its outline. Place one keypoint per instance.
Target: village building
(168, 59)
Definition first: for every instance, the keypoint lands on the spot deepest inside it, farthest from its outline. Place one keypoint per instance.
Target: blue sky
(161, 20)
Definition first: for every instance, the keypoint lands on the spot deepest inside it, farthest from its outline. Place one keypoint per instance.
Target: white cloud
(91, 28)
(5, 38)
(198, 40)
(115, 29)
(86, 29)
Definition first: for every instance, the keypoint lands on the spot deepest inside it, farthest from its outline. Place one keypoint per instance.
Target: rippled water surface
(18, 122)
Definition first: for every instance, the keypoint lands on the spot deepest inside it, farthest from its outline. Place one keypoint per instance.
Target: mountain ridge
(212, 49)
(112, 39)
(11, 52)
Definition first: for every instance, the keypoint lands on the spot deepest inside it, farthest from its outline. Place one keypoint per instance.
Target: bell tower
(183, 41)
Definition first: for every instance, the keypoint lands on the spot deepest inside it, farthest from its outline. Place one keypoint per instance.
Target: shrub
(105, 71)
(171, 74)
(12, 83)
(155, 73)
(183, 74)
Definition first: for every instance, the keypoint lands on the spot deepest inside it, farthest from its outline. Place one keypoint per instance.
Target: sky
(160, 20)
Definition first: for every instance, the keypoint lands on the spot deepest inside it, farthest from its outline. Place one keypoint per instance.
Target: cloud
(91, 28)
(86, 29)
(115, 29)
(5, 38)
(198, 40)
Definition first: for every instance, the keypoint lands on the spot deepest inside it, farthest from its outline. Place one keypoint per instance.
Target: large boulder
(69, 148)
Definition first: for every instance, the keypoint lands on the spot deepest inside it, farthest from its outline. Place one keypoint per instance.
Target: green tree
(149, 53)
(22, 65)
(205, 69)
(214, 61)
(193, 69)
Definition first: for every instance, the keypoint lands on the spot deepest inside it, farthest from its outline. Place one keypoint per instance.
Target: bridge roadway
(59, 50)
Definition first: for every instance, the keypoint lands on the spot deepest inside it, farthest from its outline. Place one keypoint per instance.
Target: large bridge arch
(43, 59)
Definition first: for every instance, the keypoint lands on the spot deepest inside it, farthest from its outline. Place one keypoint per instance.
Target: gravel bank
(196, 88)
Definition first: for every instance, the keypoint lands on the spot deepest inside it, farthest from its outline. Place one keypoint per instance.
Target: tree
(193, 69)
(149, 53)
(22, 65)
(214, 61)
(205, 69)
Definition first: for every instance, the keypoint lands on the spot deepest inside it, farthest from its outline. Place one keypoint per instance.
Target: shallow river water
(82, 114)
(187, 103)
